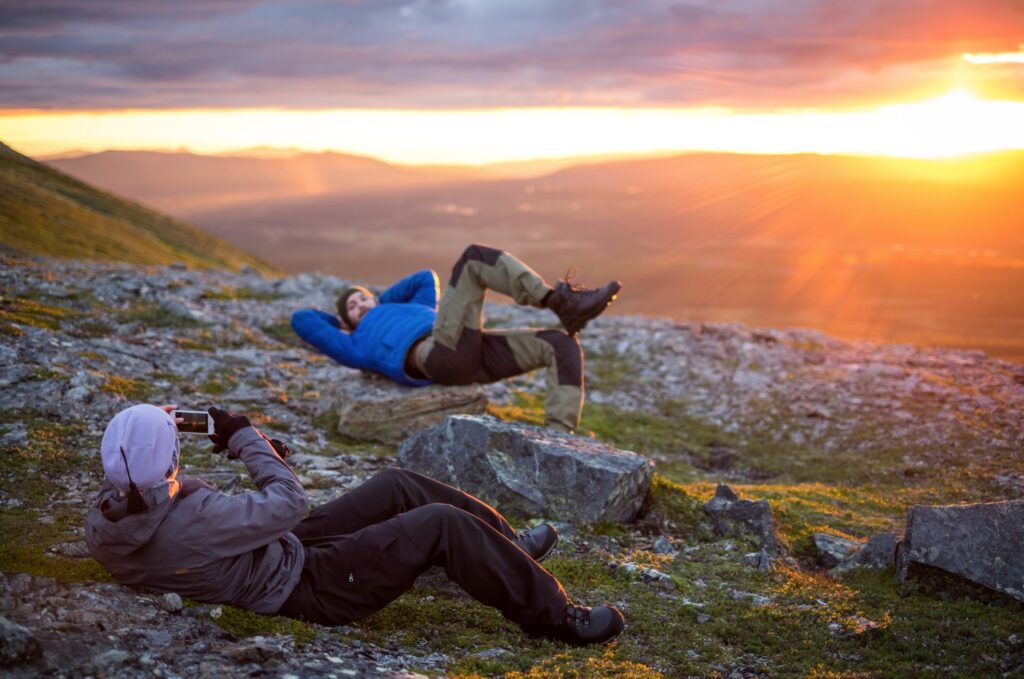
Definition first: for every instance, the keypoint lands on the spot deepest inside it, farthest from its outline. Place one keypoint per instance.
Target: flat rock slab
(371, 408)
(531, 471)
(979, 542)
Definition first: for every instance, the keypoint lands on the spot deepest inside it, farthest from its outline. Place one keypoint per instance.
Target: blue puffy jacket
(405, 313)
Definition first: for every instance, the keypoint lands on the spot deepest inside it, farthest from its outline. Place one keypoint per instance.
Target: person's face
(358, 303)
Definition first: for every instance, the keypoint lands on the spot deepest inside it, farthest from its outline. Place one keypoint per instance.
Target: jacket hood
(111, 530)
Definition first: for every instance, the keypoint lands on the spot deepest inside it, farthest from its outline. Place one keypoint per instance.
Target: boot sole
(578, 324)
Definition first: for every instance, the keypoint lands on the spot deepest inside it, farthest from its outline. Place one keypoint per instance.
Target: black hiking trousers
(367, 547)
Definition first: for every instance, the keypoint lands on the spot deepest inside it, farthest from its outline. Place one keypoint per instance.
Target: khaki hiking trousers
(460, 351)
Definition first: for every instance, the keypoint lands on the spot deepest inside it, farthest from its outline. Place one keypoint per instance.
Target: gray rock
(370, 408)
(108, 660)
(17, 643)
(759, 560)
(256, 650)
(733, 516)
(879, 552)
(531, 471)
(832, 549)
(71, 550)
(171, 602)
(979, 542)
(663, 545)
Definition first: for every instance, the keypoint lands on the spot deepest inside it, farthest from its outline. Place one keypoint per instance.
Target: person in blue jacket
(406, 335)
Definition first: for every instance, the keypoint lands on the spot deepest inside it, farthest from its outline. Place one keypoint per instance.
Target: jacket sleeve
(422, 287)
(323, 331)
(233, 524)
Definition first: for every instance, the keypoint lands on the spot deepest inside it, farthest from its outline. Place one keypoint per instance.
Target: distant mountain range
(45, 212)
(924, 251)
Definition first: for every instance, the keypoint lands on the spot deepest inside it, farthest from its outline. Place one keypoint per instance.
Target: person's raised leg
(387, 494)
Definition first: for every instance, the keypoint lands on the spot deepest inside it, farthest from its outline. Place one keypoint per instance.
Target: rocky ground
(839, 436)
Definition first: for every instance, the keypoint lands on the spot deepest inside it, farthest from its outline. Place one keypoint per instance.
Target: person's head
(353, 303)
(140, 450)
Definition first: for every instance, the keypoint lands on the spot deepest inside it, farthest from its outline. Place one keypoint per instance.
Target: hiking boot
(537, 542)
(575, 306)
(583, 625)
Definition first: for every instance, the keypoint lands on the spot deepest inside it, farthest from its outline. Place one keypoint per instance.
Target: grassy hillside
(45, 212)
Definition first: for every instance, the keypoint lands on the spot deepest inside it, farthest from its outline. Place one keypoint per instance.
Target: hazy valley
(927, 252)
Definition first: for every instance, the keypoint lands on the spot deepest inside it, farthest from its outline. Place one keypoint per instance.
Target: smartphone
(195, 421)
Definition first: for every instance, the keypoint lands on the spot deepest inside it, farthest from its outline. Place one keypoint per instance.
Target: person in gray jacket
(349, 558)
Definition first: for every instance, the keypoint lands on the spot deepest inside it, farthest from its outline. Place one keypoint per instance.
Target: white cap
(148, 438)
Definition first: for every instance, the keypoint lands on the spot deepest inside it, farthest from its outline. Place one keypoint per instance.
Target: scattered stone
(171, 602)
(879, 552)
(703, 618)
(663, 545)
(979, 542)
(490, 653)
(531, 471)
(71, 550)
(107, 661)
(372, 408)
(759, 560)
(733, 516)
(651, 575)
(833, 549)
(257, 650)
(17, 643)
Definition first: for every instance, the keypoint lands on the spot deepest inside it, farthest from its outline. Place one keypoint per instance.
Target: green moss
(35, 313)
(34, 560)
(281, 331)
(131, 389)
(215, 385)
(525, 407)
(327, 423)
(227, 292)
(609, 372)
(155, 316)
(244, 623)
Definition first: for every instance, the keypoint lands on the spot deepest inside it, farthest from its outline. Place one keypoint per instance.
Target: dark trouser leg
(389, 493)
(496, 354)
(353, 576)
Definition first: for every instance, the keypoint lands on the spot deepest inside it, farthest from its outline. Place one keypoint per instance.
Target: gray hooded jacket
(204, 544)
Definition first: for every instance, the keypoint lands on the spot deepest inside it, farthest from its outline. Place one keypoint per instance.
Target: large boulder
(979, 542)
(531, 471)
(372, 408)
(733, 516)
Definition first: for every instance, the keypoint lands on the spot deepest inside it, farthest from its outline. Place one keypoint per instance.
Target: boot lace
(577, 615)
(570, 279)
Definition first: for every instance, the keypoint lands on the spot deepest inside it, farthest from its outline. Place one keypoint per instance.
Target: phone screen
(195, 421)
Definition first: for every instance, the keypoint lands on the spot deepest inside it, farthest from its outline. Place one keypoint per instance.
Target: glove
(224, 426)
(281, 447)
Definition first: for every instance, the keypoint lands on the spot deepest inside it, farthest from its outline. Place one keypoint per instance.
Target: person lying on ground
(348, 559)
(405, 335)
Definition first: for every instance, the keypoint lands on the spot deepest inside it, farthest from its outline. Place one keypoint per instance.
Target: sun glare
(957, 123)
(995, 57)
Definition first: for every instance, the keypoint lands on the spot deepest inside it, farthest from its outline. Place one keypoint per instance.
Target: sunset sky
(475, 81)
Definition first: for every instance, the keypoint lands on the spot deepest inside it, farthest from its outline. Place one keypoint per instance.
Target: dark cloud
(459, 53)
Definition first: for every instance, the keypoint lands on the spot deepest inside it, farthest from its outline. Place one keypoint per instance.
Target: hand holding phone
(194, 421)
(225, 425)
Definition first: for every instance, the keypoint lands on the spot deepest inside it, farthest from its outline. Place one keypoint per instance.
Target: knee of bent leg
(476, 252)
(568, 355)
